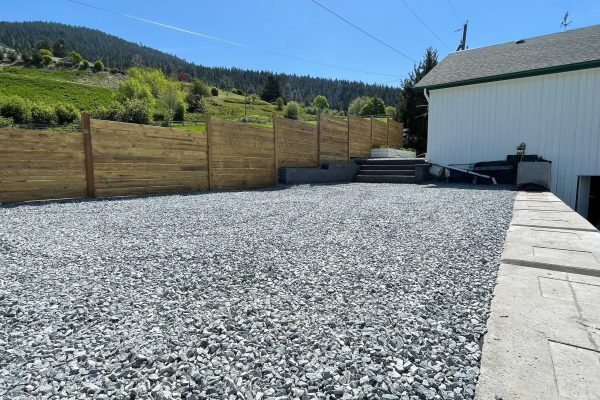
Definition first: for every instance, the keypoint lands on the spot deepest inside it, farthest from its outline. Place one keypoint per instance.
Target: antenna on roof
(463, 43)
(564, 24)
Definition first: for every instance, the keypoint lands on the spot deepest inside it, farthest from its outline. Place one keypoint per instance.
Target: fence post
(208, 151)
(275, 144)
(319, 139)
(387, 139)
(89, 155)
(371, 136)
(348, 119)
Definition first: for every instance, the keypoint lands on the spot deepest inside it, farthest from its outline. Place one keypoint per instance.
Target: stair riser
(383, 161)
(387, 168)
(385, 179)
(386, 172)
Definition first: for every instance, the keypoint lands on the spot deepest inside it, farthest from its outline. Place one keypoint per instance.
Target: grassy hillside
(83, 89)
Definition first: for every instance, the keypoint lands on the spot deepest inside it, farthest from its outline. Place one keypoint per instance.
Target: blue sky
(301, 29)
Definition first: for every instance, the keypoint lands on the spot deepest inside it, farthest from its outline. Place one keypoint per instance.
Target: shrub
(12, 56)
(390, 111)
(179, 112)
(6, 122)
(16, 108)
(77, 58)
(200, 88)
(26, 57)
(44, 52)
(196, 103)
(320, 102)
(42, 114)
(279, 103)
(214, 91)
(136, 111)
(373, 106)
(356, 105)
(292, 110)
(237, 91)
(46, 60)
(98, 66)
(85, 64)
(66, 113)
(112, 113)
(132, 88)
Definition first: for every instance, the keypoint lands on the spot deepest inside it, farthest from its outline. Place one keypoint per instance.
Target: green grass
(192, 128)
(83, 89)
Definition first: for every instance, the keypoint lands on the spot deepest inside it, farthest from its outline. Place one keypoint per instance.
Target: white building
(543, 91)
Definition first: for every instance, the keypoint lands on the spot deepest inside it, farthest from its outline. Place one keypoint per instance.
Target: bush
(200, 88)
(135, 111)
(390, 111)
(112, 113)
(214, 91)
(46, 60)
(279, 103)
(98, 66)
(15, 108)
(320, 102)
(132, 88)
(44, 52)
(77, 58)
(85, 64)
(179, 112)
(292, 110)
(237, 91)
(356, 105)
(66, 113)
(6, 122)
(12, 56)
(42, 114)
(373, 106)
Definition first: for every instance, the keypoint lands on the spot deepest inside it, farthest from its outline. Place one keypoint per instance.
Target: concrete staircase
(388, 170)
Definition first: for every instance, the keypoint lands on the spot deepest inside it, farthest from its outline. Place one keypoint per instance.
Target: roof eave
(514, 75)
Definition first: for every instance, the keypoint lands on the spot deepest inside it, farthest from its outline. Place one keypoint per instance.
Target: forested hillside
(118, 53)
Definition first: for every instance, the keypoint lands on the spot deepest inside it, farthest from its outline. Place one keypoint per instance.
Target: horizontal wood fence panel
(396, 138)
(38, 165)
(241, 155)
(379, 133)
(333, 140)
(360, 136)
(297, 144)
(134, 159)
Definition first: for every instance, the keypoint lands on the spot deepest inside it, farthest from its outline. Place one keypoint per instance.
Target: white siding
(556, 115)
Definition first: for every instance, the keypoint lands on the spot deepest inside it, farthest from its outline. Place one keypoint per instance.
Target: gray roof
(574, 49)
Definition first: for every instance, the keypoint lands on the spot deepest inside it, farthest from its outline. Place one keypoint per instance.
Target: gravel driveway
(345, 291)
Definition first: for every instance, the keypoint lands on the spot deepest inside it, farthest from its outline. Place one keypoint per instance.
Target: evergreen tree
(272, 89)
(411, 109)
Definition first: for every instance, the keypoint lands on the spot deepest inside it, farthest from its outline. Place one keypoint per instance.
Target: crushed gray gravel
(353, 291)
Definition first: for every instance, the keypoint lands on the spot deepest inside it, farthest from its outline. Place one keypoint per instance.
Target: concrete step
(389, 167)
(393, 161)
(385, 178)
(390, 171)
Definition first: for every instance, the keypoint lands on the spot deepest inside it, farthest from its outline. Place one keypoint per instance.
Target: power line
(424, 23)
(455, 12)
(205, 36)
(363, 31)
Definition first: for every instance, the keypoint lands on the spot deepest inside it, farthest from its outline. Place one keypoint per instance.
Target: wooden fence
(118, 159)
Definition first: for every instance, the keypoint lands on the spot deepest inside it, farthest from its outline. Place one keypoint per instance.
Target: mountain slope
(118, 53)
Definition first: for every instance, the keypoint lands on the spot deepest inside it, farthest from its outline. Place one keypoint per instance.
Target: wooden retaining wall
(118, 159)
(134, 159)
(38, 165)
(241, 155)
(297, 143)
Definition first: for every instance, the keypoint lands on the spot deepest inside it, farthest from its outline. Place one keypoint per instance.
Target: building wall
(556, 115)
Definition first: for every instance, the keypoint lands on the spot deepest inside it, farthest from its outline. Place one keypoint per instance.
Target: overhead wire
(362, 30)
(167, 26)
(424, 23)
(454, 10)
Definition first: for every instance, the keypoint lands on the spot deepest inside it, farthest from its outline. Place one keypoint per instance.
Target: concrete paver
(543, 339)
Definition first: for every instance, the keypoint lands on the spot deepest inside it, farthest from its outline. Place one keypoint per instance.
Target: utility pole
(463, 42)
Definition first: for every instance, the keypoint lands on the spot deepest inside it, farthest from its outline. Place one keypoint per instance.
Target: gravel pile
(353, 291)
